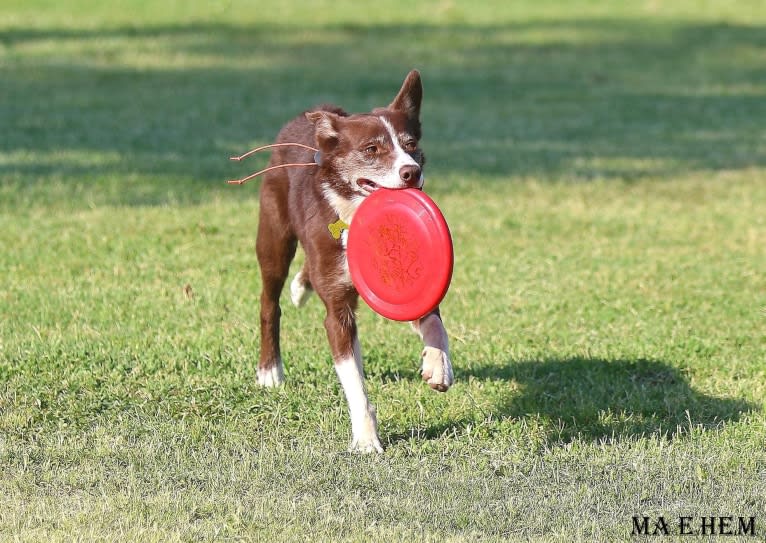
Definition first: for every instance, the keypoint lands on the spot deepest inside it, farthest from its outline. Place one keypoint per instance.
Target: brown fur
(294, 207)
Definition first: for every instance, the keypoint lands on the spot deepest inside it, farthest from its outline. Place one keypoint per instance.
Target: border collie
(358, 154)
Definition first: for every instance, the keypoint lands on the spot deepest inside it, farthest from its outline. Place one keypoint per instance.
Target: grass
(603, 170)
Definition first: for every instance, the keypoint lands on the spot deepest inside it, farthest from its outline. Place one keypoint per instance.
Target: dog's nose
(410, 174)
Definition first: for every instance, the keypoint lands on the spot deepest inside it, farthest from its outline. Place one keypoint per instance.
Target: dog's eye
(410, 146)
(371, 150)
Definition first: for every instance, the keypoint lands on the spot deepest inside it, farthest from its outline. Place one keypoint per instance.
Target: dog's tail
(300, 288)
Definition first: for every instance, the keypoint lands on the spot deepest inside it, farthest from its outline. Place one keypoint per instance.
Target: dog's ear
(410, 96)
(325, 128)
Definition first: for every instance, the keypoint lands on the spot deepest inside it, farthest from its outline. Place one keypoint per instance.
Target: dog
(358, 154)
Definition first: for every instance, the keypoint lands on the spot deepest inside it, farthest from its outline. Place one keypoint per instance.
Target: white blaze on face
(391, 179)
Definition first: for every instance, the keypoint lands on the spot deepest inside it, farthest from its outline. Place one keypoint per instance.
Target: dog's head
(364, 152)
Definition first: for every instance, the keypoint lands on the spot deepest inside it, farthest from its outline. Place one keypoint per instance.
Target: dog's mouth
(367, 186)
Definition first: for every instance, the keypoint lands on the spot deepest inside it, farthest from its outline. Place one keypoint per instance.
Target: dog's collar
(336, 229)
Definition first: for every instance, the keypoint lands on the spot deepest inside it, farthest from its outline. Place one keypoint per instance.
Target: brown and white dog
(357, 155)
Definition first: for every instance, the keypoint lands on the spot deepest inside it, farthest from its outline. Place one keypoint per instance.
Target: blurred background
(142, 102)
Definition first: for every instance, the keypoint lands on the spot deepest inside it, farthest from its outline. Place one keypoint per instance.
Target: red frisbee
(400, 253)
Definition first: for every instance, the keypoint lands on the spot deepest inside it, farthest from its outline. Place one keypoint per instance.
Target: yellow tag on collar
(337, 228)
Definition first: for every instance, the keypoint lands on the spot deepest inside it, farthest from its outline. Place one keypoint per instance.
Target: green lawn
(602, 166)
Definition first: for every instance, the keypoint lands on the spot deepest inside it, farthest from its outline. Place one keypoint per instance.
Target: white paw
(299, 291)
(437, 369)
(366, 445)
(272, 377)
(364, 432)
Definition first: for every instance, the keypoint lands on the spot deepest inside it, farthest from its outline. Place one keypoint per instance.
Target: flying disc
(400, 253)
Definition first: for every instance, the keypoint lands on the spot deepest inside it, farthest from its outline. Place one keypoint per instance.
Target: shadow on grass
(584, 99)
(596, 399)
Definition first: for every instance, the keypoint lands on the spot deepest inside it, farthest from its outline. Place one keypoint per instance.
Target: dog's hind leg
(436, 367)
(275, 247)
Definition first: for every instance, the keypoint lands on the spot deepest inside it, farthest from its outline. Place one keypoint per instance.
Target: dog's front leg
(347, 355)
(436, 367)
